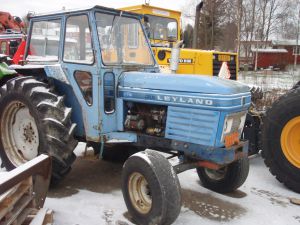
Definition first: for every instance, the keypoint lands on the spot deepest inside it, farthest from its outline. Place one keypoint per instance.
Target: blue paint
(197, 105)
(182, 83)
(187, 99)
(192, 125)
(121, 137)
(221, 156)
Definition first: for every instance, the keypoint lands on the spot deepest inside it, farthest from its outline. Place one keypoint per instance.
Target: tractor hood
(193, 91)
(181, 83)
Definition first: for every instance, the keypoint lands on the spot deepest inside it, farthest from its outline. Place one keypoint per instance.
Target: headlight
(234, 123)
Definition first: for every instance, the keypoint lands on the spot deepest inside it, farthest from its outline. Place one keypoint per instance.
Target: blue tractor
(90, 75)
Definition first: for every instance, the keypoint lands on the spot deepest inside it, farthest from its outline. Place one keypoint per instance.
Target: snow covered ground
(269, 80)
(91, 195)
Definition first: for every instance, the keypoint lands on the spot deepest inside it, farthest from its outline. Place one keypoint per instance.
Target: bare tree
(223, 22)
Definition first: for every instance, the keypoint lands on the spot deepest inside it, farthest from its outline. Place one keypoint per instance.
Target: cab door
(80, 64)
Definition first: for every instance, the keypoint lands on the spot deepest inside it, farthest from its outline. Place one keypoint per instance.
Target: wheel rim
(139, 193)
(290, 141)
(19, 136)
(216, 174)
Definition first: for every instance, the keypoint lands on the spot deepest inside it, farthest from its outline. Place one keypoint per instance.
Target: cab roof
(87, 9)
(153, 10)
(146, 6)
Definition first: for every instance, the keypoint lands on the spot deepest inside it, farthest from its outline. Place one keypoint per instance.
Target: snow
(87, 207)
(96, 198)
(91, 194)
(284, 42)
(269, 80)
(269, 50)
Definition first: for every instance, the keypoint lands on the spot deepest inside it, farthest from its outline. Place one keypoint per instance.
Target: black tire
(252, 133)
(286, 108)
(226, 180)
(51, 119)
(5, 79)
(163, 185)
(296, 85)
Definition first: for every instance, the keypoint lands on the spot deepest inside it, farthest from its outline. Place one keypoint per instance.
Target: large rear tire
(151, 189)
(281, 139)
(34, 120)
(227, 179)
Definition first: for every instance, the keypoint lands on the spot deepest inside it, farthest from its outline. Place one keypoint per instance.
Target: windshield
(160, 28)
(122, 41)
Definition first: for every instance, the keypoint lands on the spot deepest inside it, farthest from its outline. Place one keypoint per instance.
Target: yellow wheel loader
(163, 27)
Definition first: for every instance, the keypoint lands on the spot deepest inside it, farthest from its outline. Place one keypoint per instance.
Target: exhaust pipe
(175, 53)
(195, 33)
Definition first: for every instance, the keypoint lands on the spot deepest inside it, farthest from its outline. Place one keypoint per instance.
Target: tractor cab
(119, 36)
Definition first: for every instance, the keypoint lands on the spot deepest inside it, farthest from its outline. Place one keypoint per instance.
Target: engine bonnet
(184, 90)
(181, 83)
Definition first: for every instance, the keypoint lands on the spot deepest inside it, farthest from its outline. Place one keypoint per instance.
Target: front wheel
(226, 179)
(151, 189)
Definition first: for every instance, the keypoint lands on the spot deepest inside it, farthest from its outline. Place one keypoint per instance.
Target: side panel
(65, 84)
(197, 61)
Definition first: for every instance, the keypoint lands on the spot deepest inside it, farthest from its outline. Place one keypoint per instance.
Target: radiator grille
(192, 125)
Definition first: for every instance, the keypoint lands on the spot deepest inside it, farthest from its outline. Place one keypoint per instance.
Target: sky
(20, 8)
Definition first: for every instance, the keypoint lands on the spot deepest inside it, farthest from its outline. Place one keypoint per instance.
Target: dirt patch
(89, 174)
(274, 198)
(236, 194)
(297, 218)
(210, 207)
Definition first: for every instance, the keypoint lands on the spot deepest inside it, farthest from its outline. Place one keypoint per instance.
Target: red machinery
(11, 34)
(9, 22)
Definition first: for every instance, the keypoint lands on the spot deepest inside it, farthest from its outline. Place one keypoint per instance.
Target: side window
(109, 92)
(3, 47)
(78, 42)
(45, 39)
(84, 81)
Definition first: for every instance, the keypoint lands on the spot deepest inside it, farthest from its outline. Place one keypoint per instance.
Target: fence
(273, 84)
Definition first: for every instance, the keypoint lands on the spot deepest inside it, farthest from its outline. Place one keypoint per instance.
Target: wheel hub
(290, 141)
(19, 133)
(139, 193)
(29, 133)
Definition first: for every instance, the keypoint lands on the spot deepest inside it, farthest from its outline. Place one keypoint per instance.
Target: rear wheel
(34, 120)
(151, 189)
(281, 139)
(226, 179)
